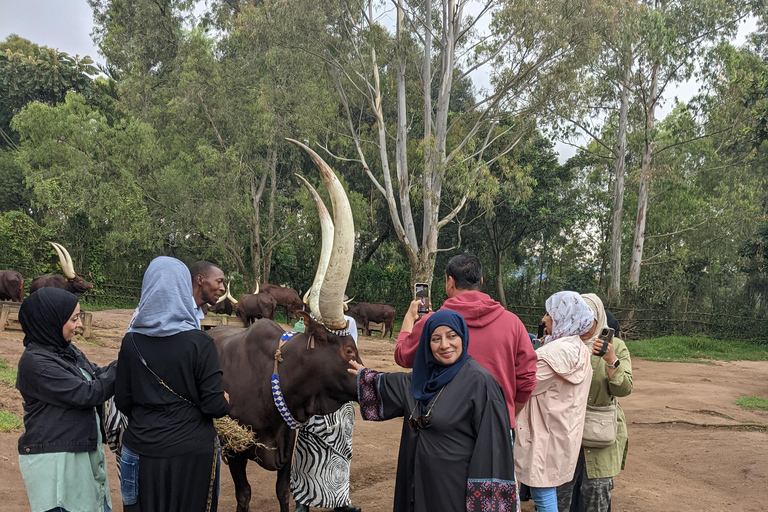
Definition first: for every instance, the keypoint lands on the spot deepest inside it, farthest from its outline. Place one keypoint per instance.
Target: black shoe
(301, 508)
(348, 508)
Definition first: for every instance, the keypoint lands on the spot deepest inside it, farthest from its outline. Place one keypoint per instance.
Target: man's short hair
(201, 268)
(466, 271)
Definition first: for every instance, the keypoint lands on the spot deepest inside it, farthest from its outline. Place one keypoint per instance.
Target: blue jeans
(545, 498)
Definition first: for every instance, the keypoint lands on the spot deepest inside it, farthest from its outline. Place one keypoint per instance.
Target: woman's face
(446, 345)
(68, 331)
(547, 323)
(587, 335)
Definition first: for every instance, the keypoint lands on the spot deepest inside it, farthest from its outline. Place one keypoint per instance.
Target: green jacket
(608, 462)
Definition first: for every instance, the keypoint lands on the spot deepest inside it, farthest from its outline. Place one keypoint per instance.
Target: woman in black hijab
(455, 448)
(61, 456)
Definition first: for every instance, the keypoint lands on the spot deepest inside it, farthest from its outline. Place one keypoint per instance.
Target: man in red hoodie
(498, 339)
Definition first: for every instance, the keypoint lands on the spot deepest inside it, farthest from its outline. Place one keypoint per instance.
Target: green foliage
(7, 374)
(9, 422)
(697, 349)
(389, 285)
(752, 402)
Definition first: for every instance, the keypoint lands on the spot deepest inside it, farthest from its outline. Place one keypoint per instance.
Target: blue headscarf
(167, 306)
(429, 376)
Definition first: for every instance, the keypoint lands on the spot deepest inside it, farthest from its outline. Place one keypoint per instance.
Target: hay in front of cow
(235, 437)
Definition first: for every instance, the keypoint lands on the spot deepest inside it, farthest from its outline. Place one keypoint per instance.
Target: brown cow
(311, 366)
(11, 286)
(69, 281)
(287, 298)
(364, 312)
(254, 306)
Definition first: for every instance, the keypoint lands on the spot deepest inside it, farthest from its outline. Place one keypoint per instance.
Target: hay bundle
(235, 437)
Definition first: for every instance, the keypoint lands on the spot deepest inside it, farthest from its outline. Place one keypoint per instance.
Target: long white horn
(257, 289)
(223, 297)
(64, 259)
(230, 297)
(340, 264)
(346, 303)
(326, 229)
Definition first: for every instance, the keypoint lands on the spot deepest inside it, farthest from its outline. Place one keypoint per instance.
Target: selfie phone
(421, 290)
(606, 335)
(540, 334)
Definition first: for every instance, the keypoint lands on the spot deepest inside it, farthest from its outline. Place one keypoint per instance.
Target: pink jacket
(497, 340)
(549, 427)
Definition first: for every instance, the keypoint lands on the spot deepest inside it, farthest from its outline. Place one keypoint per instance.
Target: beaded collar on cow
(338, 332)
(277, 393)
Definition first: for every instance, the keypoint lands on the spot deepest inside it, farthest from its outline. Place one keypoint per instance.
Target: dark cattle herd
(365, 312)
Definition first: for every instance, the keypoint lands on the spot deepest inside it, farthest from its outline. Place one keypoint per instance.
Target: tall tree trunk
(499, 279)
(256, 246)
(645, 171)
(614, 290)
(267, 260)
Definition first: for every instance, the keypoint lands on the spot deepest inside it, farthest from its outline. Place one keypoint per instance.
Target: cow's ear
(312, 326)
(304, 315)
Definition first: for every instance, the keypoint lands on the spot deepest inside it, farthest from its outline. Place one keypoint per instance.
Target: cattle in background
(11, 286)
(224, 305)
(70, 281)
(310, 367)
(364, 312)
(255, 306)
(287, 298)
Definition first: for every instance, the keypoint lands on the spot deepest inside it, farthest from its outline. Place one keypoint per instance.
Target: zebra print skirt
(320, 470)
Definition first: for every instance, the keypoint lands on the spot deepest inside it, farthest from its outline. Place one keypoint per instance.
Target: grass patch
(7, 374)
(752, 402)
(10, 422)
(697, 349)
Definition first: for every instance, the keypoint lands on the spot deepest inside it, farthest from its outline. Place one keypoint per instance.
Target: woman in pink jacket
(549, 426)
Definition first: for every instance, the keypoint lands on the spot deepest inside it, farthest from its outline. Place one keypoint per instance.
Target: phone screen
(421, 290)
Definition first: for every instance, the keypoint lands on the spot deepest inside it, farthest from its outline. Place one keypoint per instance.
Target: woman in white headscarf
(590, 488)
(169, 387)
(549, 427)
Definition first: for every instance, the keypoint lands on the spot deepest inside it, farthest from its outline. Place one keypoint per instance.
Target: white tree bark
(614, 290)
(645, 178)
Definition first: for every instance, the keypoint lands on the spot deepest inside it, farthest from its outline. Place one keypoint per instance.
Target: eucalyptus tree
(674, 35)
(397, 88)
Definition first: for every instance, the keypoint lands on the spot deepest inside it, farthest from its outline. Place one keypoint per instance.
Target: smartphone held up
(606, 337)
(421, 291)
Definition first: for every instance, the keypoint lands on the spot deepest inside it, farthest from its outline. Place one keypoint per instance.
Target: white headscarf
(570, 315)
(597, 308)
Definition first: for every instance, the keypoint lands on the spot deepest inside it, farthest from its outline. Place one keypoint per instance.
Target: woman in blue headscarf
(455, 448)
(169, 387)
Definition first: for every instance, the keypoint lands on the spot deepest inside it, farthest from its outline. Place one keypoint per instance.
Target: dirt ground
(690, 447)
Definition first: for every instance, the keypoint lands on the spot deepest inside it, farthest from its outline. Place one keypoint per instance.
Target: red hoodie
(498, 340)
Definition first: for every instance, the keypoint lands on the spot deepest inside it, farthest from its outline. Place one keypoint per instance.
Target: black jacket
(59, 401)
(160, 424)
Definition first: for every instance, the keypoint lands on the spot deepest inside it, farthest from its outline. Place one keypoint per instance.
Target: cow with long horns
(225, 305)
(70, 281)
(277, 380)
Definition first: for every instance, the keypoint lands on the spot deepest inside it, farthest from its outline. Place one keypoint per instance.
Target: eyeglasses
(422, 422)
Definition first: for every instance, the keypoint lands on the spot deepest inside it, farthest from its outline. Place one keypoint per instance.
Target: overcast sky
(67, 25)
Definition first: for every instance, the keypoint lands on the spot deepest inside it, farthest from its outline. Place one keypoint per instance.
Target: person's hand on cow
(357, 367)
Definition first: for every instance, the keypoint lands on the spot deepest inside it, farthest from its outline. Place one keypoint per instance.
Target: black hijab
(42, 317)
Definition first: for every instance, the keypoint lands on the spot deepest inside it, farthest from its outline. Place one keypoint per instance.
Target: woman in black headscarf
(455, 447)
(61, 455)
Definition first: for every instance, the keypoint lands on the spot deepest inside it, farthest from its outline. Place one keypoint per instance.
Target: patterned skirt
(320, 470)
